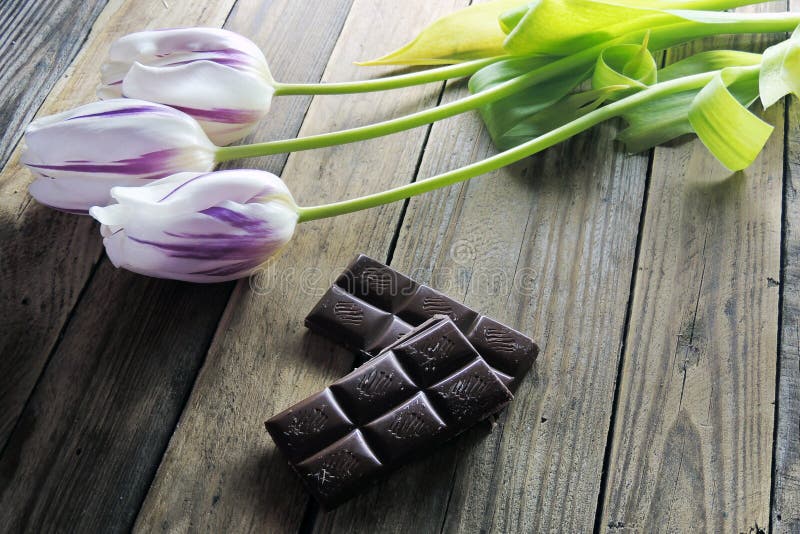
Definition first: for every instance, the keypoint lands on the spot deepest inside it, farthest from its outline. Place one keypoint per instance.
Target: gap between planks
(785, 488)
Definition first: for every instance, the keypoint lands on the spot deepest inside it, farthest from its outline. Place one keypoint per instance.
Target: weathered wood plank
(221, 471)
(88, 443)
(38, 41)
(547, 246)
(45, 256)
(120, 377)
(692, 443)
(786, 483)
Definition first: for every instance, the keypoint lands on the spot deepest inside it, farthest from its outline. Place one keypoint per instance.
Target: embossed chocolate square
(371, 305)
(422, 390)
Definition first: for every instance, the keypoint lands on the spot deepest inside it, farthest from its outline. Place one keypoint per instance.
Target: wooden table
(664, 293)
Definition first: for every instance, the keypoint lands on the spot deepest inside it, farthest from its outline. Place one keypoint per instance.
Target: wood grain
(38, 41)
(786, 483)
(88, 443)
(221, 471)
(46, 257)
(692, 441)
(546, 246)
(120, 377)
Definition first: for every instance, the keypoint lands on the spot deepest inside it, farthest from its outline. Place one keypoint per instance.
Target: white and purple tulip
(218, 77)
(79, 155)
(196, 227)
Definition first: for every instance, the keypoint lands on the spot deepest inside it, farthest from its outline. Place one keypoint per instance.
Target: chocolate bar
(423, 390)
(371, 305)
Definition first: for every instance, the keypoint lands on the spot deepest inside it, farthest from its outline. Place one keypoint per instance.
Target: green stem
(512, 155)
(391, 82)
(582, 59)
(660, 38)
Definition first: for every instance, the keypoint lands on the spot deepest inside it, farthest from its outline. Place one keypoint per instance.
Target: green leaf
(563, 27)
(780, 71)
(657, 122)
(631, 66)
(470, 33)
(566, 110)
(728, 129)
(503, 116)
(525, 115)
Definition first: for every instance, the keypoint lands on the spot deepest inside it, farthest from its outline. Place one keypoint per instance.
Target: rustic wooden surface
(693, 435)
(667, 308)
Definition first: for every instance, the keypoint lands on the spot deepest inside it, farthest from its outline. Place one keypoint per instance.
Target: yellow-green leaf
(563, 27)
(509, 19)
(632, 66)
(470, 33)
(780, 71)
(728, 129)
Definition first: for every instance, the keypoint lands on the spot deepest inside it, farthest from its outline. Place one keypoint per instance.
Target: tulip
(79, 155)
(218, 77)
(198, 227)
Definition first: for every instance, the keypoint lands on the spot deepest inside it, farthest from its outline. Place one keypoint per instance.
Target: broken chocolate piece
(423, 390)
(371, 306)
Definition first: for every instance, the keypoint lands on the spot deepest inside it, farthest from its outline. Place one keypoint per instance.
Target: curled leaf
(509, 19)
(631, 66)
(728, 129)
(657, 121)
(470, 33)
(780, 71)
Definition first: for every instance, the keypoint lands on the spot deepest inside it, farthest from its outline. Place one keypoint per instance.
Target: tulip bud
(79, 155)
(196, 227)
(216, 76)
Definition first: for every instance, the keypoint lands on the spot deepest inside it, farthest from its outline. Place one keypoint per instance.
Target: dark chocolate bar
(372, 305)
(425, 389)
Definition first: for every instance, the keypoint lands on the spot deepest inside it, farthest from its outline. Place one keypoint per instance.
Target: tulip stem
(390, 82)
(515, 154)
(660, 38)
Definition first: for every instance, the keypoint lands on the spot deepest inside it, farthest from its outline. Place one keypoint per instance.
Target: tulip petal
(218, 77)
(226, 242)
(193, 192)
(226, 102)
(199, 227)
(111, 139)
(164, 46)
(79, 155)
